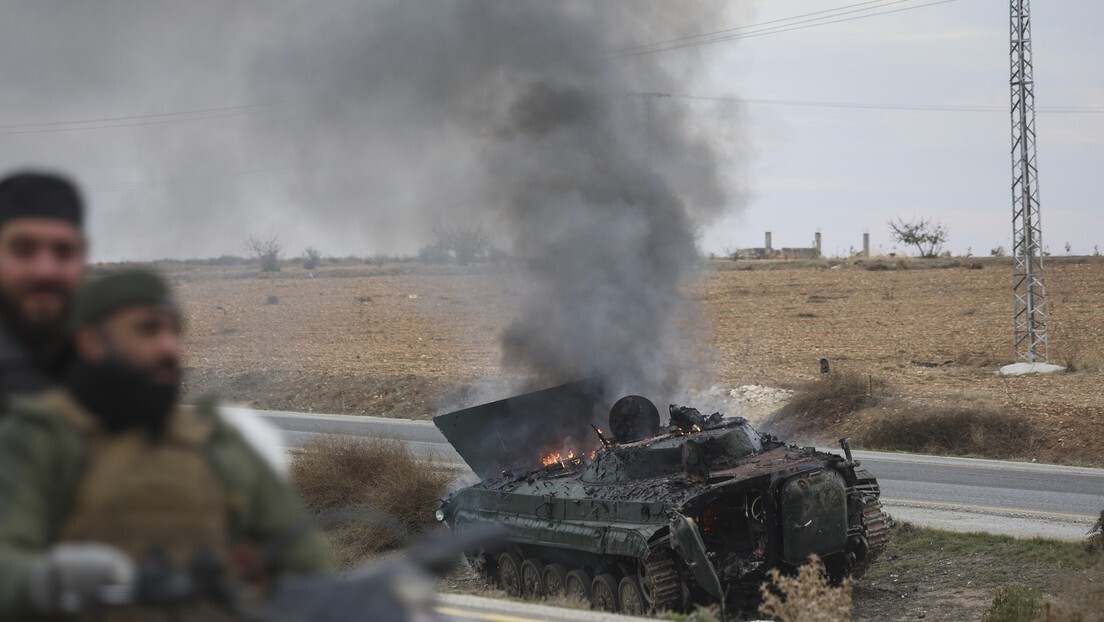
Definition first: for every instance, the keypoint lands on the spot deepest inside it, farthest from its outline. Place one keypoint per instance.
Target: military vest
(147, 496)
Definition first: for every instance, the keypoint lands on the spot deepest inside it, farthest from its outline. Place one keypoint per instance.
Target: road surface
(464, 607)
(962, 494)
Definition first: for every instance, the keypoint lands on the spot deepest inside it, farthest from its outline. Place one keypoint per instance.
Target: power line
(760, 24)
(886, 106)
(809, 23)
(785, 28)
(191, 180)
(47, 127)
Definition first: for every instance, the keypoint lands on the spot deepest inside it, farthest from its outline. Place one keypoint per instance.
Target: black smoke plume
(524, 116)
(370, 122)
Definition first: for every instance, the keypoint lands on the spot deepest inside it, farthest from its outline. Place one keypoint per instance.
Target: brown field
(405, 340)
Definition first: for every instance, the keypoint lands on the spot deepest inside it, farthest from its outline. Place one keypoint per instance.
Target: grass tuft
(805, 597)
(375, 493)
(1015, 603)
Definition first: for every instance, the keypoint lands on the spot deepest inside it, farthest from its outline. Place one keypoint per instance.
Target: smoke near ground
(369, 123)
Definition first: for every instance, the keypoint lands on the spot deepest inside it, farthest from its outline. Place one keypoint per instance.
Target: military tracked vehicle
(643, 517)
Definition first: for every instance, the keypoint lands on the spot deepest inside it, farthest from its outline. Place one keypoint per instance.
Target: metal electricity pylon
(1027, 239)
(649, 98)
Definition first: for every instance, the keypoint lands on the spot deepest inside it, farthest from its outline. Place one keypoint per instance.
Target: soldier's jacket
(21, 373)
(201, 487)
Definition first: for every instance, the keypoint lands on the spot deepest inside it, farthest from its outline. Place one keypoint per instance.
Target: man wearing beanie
(106, 475)
(42, 262)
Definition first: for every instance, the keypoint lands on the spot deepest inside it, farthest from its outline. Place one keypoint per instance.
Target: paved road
(1013, 498)
(463, 607)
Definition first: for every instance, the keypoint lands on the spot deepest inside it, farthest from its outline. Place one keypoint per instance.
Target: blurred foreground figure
(113, 495)
(42, 262)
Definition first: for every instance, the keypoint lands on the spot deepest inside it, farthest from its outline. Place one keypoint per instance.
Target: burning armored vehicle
(646, 518)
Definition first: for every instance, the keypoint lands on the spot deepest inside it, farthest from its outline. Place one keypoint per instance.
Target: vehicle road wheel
(554, 576)
(603, 592)
(631, 597)
(577, 585)
(509, 573)
(532, 583)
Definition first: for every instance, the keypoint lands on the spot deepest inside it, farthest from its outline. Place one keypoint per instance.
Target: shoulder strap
(59, 405)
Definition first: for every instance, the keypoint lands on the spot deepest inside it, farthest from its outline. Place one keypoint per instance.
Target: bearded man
(42, 263)
(108, 474)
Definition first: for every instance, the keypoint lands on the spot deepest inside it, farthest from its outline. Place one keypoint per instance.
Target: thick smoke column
(607, 242)
(523, 117)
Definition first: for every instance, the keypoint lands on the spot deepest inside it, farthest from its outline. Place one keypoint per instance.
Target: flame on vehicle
(557, 458)
(564, 456)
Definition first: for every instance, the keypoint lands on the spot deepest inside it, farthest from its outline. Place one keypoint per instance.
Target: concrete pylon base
(1024, 369)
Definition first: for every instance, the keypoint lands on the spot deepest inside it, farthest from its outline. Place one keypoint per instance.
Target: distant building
(767, 251)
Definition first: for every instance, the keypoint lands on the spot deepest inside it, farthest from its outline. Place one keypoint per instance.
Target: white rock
(1023, 369)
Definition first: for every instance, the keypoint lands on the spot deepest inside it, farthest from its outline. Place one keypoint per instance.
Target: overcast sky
(845, 171)
(801, 168)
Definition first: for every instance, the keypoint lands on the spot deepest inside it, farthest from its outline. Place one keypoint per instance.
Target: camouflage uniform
(198, 488)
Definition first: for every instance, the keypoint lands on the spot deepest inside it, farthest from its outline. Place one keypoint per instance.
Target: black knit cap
(32, 194)
(101, 297)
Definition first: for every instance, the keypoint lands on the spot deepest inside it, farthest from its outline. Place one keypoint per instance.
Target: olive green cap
(101, 297)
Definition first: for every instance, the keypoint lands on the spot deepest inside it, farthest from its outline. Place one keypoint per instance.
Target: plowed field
(406, 340)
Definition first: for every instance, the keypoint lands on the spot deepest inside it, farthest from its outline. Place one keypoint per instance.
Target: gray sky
(845, 171)
(800, 169)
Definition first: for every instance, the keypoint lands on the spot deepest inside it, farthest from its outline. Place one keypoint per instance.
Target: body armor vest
(148, 497)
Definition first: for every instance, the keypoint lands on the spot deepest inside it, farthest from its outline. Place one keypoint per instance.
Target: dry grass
(1082, 603)
(1015, 603)
(806, 597)
(950, 431)
(848, 403)
(828, 400)
(374, 492)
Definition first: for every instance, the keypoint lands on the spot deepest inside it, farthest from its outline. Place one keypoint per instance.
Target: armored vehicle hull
(694, 513)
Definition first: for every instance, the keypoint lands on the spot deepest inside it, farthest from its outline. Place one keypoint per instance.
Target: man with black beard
(108, 474)
(42, 262)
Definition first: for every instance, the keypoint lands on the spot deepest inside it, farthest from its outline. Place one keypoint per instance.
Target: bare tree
(464, 245)
(926, 235)
(311, 257)
(266, 250)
